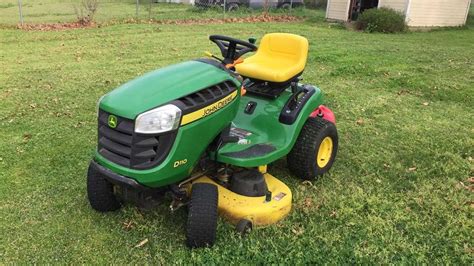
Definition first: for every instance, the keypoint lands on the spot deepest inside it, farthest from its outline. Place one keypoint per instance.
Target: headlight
(161, 119)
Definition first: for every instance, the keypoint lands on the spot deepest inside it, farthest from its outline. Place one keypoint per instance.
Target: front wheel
(100, 192)
(315, 149)
(202, 216)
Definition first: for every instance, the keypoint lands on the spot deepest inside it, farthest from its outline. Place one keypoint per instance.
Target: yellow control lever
(213, 56)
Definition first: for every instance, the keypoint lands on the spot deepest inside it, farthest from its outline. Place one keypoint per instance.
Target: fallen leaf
(470, 188)
(143, 242)
(308, 202)
(403, 92)
(298, 231)
(128, 225)
(26, 136)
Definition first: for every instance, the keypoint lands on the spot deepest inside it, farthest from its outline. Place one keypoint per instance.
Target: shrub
(381, 20)
(86, 11)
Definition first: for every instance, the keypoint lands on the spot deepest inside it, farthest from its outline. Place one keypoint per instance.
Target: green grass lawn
(398, 192)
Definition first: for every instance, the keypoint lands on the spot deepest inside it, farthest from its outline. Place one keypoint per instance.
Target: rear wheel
(100, 192)
(315, 149)
(202, 216)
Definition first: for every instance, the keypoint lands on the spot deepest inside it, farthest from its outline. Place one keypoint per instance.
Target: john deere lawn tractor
(204, 131)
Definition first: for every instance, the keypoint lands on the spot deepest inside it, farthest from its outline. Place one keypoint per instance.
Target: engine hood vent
(205, 97)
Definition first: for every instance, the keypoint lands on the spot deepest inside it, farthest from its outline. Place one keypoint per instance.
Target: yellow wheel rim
(324, 152)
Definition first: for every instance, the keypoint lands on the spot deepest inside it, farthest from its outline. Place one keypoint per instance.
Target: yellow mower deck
(235, 207)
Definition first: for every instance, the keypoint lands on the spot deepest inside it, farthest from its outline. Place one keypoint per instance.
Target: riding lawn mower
(204, 131)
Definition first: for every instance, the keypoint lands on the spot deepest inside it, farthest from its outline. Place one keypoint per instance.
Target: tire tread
(301, 159)
(100, 192)
(202, 216)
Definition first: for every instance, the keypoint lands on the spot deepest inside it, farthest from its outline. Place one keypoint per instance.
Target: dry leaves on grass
(308, 203)
(469, 186)
(56, 26)
(127, 226)
(250, 19)
(26, 137)
(297, 230)
(403, 92)
(77, 25)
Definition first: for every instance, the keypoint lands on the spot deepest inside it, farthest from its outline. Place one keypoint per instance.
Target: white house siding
(338, 9)
(399, 5)
(427, 13)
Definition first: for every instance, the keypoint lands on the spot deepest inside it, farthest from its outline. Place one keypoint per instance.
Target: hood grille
(121, 145)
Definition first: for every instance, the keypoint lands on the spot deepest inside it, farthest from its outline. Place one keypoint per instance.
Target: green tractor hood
(161, 87)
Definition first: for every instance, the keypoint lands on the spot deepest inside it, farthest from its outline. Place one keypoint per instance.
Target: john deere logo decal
(208, 110)
(112, 121)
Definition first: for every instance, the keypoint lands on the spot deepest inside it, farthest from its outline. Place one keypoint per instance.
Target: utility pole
(21, 12)
(136, 9)
(225, 6)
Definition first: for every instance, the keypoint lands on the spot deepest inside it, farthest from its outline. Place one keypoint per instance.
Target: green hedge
(381, 20)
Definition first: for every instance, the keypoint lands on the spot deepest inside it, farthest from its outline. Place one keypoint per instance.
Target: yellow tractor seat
(279, 58)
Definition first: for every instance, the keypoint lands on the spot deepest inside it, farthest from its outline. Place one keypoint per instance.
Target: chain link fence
(63, 11)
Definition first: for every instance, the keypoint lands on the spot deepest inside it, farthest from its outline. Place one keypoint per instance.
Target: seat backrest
(287, 46)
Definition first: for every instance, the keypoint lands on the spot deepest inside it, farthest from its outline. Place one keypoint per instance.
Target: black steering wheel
(232, 48)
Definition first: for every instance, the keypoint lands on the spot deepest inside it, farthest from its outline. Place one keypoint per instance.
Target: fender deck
(261, 212)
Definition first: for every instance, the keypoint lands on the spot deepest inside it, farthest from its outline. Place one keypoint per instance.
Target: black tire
(302, 159)
(100, 192)
(202, 216)
(244, 227)
(232, 7)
